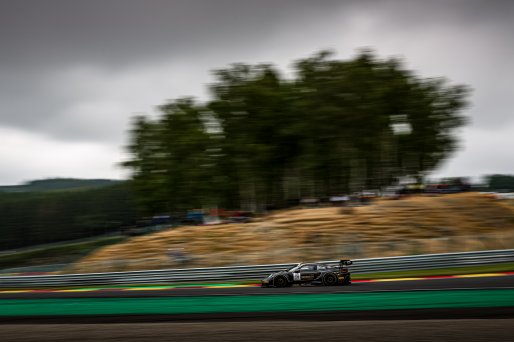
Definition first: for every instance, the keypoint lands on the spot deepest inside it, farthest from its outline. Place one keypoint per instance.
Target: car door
(308, 272)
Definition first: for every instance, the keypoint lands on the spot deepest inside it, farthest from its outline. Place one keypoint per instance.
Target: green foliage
(43, 217)
(173, 166)
(501, 182)
(58, 184)
(337, 126)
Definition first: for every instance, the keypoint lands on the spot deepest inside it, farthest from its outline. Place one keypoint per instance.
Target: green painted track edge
(259, 303)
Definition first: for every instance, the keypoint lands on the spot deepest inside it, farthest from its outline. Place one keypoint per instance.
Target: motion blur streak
(235, 285)
(263, 303)
(464, 330)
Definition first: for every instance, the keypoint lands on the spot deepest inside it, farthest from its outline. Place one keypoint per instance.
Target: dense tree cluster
(31, 218)
(500, 182)
(334, 127)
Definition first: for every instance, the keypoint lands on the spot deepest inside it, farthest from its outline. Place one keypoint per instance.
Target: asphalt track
(474, 296)
(484, 281)
(427, 324)
(433, 330)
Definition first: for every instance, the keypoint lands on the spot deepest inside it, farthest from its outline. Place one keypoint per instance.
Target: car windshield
(294, 268)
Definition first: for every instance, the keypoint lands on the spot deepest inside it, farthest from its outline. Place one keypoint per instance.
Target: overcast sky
(74, 72)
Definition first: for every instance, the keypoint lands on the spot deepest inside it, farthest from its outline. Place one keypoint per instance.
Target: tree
(253, 108)
(172, 167)
(30, 218)
(500, 182)
(337, 126)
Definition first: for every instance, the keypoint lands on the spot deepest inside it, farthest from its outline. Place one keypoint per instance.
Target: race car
(311, 274)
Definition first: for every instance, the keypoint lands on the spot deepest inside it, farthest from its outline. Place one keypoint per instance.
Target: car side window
(307, 268)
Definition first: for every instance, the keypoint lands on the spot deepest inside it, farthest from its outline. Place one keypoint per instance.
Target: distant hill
(59, 184)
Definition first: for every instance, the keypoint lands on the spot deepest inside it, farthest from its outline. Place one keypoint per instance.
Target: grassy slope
(416, 225)
(57, 253)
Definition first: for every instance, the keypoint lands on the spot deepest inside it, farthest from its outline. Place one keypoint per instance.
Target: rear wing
(342, 264)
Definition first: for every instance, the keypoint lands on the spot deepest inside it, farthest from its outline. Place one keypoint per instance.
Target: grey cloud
(77, 70)
(41, 39)
(43, 42)
(121, 31)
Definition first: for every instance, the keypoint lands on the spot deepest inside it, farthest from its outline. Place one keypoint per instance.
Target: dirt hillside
(421, 224)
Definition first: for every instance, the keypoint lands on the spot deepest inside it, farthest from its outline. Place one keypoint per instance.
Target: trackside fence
(166, 276)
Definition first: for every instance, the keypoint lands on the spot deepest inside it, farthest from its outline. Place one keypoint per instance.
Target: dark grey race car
(311, 274)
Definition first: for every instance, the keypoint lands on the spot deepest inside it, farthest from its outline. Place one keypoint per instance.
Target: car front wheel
(280, 281)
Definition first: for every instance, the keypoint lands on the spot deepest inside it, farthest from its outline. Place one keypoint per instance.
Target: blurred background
(197, 133)
(248, 136)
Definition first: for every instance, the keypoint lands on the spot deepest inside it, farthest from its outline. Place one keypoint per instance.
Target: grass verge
(503, 267)
(66, 252)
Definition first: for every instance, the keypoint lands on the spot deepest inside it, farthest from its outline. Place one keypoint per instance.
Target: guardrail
(415, 262)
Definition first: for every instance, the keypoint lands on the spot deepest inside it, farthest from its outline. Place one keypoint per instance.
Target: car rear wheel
(330, 279)
(280, 281)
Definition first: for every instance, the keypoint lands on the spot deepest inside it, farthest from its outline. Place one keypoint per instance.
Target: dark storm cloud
(121, 31)
(43, 42)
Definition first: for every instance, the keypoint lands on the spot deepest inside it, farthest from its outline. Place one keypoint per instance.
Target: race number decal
(296, 276)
